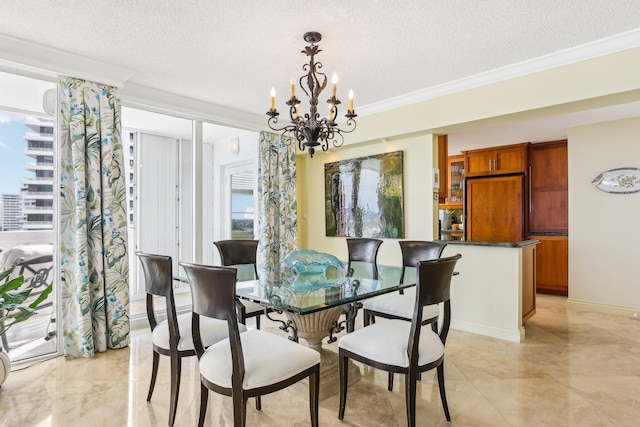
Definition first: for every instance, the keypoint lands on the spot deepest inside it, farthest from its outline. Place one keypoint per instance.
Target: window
(242, 205)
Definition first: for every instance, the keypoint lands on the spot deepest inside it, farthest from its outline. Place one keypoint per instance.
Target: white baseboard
(603, 308)
(515, 335)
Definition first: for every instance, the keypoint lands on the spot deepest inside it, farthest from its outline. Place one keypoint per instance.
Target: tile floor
(575, 369)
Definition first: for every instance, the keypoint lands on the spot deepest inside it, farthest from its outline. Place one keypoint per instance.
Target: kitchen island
(494, 294)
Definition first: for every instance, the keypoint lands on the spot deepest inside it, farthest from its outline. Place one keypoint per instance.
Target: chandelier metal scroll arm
(310, 130)
(288, 129)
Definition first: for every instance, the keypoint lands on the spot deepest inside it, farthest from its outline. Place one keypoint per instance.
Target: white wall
(604, 228)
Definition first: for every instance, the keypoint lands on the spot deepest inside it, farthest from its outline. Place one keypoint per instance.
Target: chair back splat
(215, 300)
(238, 252)
(419, 250)
(364, 250)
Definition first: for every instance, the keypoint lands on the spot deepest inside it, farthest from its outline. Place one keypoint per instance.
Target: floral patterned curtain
(93, 229)
(278, 223)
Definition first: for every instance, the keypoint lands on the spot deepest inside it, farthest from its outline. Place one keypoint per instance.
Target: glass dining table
(312, 308)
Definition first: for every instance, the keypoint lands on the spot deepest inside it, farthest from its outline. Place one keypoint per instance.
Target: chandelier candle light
(310, 130)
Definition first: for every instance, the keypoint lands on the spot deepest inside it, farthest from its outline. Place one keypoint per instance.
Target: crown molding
(602, 47)
(36, 59)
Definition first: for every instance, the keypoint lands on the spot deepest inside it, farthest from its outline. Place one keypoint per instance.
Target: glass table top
(307, 294)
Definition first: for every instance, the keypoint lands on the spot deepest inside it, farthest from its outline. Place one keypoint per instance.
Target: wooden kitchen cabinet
(548, 188)
(496, 160)
(552, 264)
(455, 183)
(495, 209)
(529, 271)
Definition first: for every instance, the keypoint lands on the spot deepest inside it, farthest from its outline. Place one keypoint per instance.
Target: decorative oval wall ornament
(620, 180)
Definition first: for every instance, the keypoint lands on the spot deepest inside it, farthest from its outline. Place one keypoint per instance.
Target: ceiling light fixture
(310, 130)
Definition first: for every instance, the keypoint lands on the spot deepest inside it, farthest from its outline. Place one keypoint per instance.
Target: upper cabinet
(496, 160)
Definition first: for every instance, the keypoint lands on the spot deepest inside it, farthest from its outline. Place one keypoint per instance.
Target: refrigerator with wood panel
(495, 208)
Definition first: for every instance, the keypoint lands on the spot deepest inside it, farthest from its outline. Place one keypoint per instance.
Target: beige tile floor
(575, 369)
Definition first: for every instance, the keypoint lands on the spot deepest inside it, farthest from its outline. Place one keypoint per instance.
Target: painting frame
(364, 196)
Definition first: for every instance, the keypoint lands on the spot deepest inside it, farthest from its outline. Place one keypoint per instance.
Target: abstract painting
(363, 196)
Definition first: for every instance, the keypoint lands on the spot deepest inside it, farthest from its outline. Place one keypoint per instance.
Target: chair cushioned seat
(268, 359)
(251, 307)
(386, 342)
(400, 305)
(212, 330)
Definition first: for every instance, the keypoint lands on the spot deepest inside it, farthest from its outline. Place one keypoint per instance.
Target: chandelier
(309, 129)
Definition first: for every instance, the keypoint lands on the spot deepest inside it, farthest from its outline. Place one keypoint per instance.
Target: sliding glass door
(28, 218)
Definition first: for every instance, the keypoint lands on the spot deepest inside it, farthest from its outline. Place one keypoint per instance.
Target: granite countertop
(520, 244)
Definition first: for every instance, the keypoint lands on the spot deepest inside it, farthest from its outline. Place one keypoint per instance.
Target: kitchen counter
(549, 233)
(520, 244)
(494, 294)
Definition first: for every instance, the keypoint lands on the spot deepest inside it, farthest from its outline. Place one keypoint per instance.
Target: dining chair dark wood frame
(242, 252)
(413, 251)
(213, 292)
(363, 250)
(432, 287)
(158, 272)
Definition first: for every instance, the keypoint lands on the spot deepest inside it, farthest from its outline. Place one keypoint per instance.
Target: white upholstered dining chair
(244, 365)
(405, 347)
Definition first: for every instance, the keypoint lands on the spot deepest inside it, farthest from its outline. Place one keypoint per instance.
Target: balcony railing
(39, 149)
(28, 194)
(9, 239)
(28, 165)
(37, 208)
(39, 179)
(38, 136)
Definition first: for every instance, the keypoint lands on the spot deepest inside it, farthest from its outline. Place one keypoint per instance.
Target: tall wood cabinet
(548, 215)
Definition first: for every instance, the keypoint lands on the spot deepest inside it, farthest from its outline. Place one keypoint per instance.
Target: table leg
(314, 328)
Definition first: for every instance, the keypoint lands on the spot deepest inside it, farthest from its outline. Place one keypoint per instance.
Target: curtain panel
(93, 222)
(278, 219)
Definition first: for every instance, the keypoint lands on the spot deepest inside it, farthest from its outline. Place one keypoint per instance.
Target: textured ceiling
(231, 52)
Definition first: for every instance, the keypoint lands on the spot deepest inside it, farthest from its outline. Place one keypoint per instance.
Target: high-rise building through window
(11, 216)
(37, 190)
